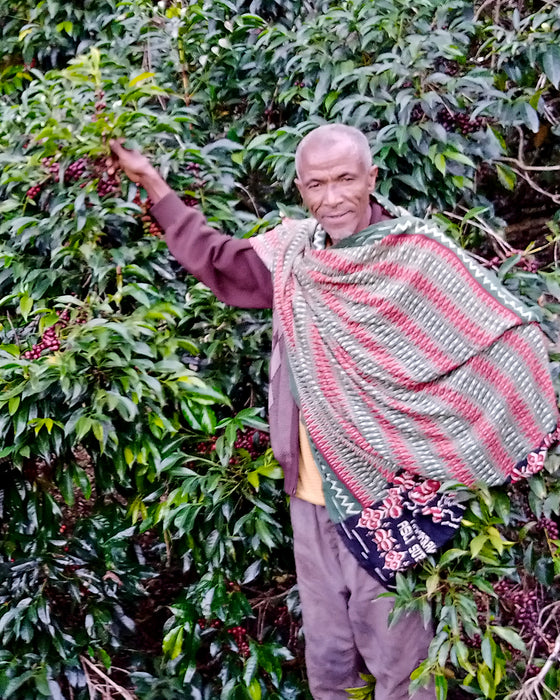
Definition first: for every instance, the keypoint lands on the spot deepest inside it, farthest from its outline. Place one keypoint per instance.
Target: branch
(483, 226)
(87, 664)
(481, 9)
(533, 185)
(524, 166)
(531, 688)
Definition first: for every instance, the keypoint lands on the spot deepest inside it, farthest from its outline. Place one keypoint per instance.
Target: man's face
(335, 186)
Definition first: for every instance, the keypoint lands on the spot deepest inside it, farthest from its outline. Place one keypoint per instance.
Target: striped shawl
(407, 354)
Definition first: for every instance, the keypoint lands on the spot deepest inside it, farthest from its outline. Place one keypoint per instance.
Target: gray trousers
(344, 625)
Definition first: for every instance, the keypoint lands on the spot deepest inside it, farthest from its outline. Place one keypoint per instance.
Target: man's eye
(313, 186)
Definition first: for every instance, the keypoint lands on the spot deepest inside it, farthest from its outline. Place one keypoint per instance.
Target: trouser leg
(332, 660)
(344, 623)
(390, 653)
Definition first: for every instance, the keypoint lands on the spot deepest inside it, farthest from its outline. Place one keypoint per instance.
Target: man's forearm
(229, 266)
(156, 187)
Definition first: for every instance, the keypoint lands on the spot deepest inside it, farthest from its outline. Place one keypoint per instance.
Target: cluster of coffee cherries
(150, 226)
(76, 170)
(417, 114)
(194, 170)
(254, 441)
(50, 340)
(239, 635)
(209, 624)
(52, 166)
(448, 67)
(34, 191)
(461, 122)
(475, 642)
(282, 616)
(550, 527)
(204, 448)
(190, 201)
(522, 606)
(107, 183)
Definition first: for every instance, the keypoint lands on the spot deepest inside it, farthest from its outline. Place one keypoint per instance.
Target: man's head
(335, 177)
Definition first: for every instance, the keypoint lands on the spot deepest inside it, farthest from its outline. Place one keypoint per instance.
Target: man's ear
(299, 185)
(372, 177)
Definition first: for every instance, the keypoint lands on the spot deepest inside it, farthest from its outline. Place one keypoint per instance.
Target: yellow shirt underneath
(310, 484)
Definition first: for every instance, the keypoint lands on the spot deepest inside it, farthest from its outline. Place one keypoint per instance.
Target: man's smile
(335, 215)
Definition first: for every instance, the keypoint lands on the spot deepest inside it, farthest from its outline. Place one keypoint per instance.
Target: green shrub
(144, 537)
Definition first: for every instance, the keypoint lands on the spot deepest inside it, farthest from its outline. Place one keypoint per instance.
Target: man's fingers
(116, 146)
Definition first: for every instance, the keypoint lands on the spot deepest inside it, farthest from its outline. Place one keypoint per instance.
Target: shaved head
(335, 177)
(332, 134)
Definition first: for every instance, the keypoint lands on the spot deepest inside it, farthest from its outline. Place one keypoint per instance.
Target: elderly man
(385, 381)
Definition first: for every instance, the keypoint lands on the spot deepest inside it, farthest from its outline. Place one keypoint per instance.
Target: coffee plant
(145, 549)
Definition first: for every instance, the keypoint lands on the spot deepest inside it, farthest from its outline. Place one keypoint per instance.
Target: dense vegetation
(144, 543)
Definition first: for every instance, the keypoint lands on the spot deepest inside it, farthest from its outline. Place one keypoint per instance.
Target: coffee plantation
(145, 550)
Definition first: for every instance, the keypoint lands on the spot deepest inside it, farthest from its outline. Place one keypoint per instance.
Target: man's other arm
(229, 266)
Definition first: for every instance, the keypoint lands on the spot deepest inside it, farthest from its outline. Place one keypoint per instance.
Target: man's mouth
(336, 216)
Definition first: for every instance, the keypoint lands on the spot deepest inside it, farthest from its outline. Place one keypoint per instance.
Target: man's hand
(138, 169)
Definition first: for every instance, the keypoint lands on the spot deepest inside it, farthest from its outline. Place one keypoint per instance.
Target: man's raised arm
(229, 266)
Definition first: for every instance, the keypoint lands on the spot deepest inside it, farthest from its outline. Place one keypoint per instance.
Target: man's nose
(332, 195)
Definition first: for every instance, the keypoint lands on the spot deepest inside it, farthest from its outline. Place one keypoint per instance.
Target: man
(368, 395)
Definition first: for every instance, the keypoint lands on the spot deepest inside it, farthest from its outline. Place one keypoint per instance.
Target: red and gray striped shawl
(407, 354)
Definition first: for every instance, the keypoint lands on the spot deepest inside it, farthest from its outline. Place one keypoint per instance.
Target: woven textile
(407, 355)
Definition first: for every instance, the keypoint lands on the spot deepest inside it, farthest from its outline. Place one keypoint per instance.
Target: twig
(531, 688)
(497, 9)
(246, 191)
(120, 690)
(481, 9)
(261, 619)
(524, 166)
(266, 600)
(147, 60)
(167, 540)
(483, 226)
(91, 688)
(533, 185)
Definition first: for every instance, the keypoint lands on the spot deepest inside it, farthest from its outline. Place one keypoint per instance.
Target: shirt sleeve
(229, 266)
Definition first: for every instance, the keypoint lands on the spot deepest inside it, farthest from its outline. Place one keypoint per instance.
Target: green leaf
(65, 27)
(451, 555)
(544, 571)
(459, 157)
(439, 162)
(474, 213)
(551, 64)
(441, 687)
(432, 583)
(531, 117)
(271, 471)
(250, 670)
(510, 636)
(477, 543)
(25, 305)
(143, 76)
(255, 690)
(506, 176)
(485, 681)
(253, 479)
(13, 404)
(173, 642)
(488, 649)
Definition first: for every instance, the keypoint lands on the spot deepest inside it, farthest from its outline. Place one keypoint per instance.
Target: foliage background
(144, 550)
